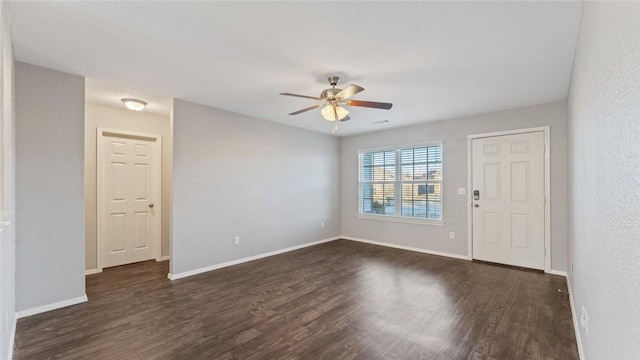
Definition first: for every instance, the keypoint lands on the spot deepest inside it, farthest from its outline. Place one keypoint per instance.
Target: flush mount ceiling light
(134, 104)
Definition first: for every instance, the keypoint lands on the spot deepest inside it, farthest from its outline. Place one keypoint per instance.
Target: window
(402, 183)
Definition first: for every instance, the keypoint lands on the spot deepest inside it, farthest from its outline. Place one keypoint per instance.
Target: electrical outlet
(322, 225)
(584, 321)
(236, 240)
(452, 235)
(462, 191)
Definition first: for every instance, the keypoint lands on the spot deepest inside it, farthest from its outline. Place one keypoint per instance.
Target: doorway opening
(509, 213)
(128, 139)
(129, 200)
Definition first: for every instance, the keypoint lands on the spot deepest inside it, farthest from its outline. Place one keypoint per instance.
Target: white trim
(157, 171)
(246, 259)
(12, 336)
(511, 132)
(398, 189)
(576, 326)
(163, 258)
(127, 134)
(469, 200)
(402, 219)
(556, 272)
(425, 251)
(405, 146)
(547, 198)
(49, 307)
(92, 271)
(546, 130)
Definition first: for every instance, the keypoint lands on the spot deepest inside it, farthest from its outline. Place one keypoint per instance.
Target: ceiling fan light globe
(327, 113)
(333, 112)
(342, 112)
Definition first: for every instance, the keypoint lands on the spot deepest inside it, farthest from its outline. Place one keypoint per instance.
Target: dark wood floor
(339, 300)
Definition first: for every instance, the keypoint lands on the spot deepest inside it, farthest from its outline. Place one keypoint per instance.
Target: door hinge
(545, 251)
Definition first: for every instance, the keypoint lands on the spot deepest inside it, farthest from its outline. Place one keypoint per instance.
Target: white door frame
(547, 188)
(157, 139)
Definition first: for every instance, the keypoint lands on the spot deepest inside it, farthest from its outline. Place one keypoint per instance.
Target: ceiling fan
(333, 99)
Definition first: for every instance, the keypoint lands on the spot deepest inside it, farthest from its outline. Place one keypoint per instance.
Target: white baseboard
(91, 272)
(12, 337)
(163, 258)
(49, 307)
(557, 272)
(246, 259)
(425, 251)
(576, 325)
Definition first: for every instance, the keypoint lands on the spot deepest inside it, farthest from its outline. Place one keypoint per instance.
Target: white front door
(509, 199)
(129, 208)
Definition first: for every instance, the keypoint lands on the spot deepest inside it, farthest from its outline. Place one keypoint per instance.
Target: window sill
(401, 219)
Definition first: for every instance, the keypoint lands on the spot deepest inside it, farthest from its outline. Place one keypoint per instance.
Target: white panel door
(508, 215)
(129, 206)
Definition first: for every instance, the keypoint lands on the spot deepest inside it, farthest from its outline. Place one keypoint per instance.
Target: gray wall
(49, 186)
(270, 184)
(604, 105)
(122, 119)
(454, 133)
(7, 187)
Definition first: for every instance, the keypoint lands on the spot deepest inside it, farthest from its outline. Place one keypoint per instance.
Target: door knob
(476, 205)
(150, 205)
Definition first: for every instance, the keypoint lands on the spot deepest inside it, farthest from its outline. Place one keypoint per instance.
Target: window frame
(398, 182)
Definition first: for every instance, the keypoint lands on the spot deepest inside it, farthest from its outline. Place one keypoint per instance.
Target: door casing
(547, 189)
(157, 139)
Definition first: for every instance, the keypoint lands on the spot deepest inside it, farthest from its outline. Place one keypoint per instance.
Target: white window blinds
(402, 182)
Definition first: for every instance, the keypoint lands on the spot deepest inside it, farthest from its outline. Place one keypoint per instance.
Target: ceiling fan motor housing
(330, 94)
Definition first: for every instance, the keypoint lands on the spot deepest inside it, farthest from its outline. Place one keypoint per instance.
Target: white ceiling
(432, 60)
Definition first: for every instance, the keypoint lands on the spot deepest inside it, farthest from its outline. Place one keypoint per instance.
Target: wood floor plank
(339, 300)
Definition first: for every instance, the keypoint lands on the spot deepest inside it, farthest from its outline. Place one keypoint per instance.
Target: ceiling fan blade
(302, 96)
(346, 118)
(349, 91)
(305, 109)
(371, 104)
